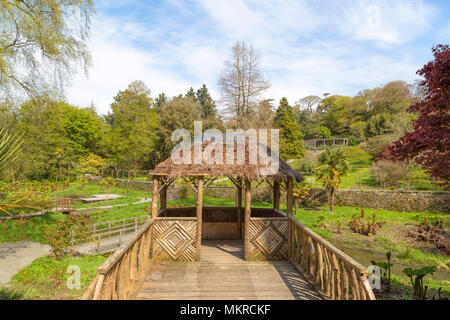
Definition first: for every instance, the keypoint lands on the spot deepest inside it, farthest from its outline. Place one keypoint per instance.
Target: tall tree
(206, 102)
(133, 122)
(42, 42)
(191, 94)
(242, 82)
(309, 103)
(160, 100)
(429, 143)
(291, 138)
(177, 113)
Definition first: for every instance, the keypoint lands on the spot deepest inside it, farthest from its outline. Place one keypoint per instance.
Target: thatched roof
(252, 170)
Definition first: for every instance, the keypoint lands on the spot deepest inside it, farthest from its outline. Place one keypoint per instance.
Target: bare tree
(309, 103)
(242, 82)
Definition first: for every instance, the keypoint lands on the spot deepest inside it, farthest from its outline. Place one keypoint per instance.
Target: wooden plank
(232, 278)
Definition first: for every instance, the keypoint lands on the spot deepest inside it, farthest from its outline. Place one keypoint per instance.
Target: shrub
(375, 145)
(389, 173)
(308, 166)
(64, 236)
(367, 227)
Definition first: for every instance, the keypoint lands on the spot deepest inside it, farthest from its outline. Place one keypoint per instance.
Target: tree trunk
(331, 199)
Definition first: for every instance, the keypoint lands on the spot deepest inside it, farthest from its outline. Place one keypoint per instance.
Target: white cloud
(308, 47)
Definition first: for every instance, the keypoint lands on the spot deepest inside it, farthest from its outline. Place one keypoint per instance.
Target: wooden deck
(222, 274)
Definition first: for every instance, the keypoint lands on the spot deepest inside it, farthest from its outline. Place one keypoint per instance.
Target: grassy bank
(393, 236)
(46, 278)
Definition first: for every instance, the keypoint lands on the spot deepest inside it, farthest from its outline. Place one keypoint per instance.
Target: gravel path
(15, 256)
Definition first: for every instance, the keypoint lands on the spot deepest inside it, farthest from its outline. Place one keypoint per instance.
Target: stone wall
(406, 201)
(402, 201)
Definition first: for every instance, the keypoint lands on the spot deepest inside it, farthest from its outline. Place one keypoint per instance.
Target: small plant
(367, 227)
(339, 224)
(416, 276)
(322, 223)
(386, 267)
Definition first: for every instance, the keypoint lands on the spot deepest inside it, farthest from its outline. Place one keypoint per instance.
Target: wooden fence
(120, 275)
(335, 275)
(114, 229)
(64, 205)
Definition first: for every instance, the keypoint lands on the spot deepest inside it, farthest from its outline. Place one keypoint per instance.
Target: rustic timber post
(239, 210)
(163, 198)
(248, 200)
(155, 198)
(289, 206)
(276, 195)
(199, 215)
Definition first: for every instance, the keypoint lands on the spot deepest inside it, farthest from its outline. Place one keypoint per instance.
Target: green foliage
(92, 164)
(386, 268)
(416, 276)
(42, 42)
(56, 135)
(308, 166)
(133, 124)
(334, 167)
(66, 234)
(187, 111)
(9, 146)
(291, 138)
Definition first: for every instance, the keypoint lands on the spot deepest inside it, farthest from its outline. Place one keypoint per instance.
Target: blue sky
(307, 46)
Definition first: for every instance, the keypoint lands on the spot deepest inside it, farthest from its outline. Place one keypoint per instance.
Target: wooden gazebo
(178, 232)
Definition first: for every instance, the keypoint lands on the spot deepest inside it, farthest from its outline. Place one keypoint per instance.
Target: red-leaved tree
(429, 143)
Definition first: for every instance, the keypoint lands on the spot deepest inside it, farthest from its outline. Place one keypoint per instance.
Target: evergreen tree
(160, 100)
(291, 138)
(191, 94)
(207, 103)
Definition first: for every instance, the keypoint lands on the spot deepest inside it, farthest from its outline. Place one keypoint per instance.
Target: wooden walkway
(222, 274)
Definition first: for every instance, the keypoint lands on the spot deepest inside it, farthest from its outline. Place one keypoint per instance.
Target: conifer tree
(291, 138)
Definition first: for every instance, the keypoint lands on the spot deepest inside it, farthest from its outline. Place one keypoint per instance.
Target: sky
(307, 47)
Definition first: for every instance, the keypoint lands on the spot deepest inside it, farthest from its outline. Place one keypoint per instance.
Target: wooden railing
(335, 275)
(120, 275)
(64, 205)
(114, 229)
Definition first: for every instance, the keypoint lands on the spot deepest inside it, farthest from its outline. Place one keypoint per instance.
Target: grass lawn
(46, 278)
(77, 191)
(27, 229)
(391, 237)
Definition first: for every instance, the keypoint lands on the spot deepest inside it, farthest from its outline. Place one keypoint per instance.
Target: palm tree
(8, 150)
(8, 154)
(335, 167)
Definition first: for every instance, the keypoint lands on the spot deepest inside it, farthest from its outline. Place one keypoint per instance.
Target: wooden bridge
(315, 269)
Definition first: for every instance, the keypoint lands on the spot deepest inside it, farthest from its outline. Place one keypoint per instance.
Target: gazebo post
(239, 210)
(276, 194)
(199, 215)
(289, 206)
(155, 197)
(248, 200)
(163, 198)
